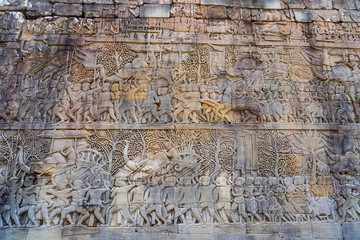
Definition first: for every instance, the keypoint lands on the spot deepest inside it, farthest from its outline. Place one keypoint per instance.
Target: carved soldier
(165, 107)
(106, 107)
(137, 205)
(239, 200)
(187, 200)
(223, 199)
(154, 202)
(94, 200)
(120, 201)
(77, 202)
(205, 193)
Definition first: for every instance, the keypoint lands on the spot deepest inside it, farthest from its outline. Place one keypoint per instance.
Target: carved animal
(247, 104)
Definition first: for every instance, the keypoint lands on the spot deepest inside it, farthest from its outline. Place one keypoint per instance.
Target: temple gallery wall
(179, 119)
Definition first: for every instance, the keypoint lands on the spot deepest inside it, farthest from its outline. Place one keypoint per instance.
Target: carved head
(77, 184)
(119, 182)
(167, 145)
(239, 181)
(96, 183)
(273, 181)
(258, 181)
(299, 180)
(185, 181)
(204, 180)
(170, 181)
(288, 181)
(85, 86)
(249, 180)
(221, 181)
(155, 181)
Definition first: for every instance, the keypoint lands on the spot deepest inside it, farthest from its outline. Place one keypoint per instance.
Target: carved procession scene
(207, 115)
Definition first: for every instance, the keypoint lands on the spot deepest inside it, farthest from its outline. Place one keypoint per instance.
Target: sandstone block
(302, 15)
(13, 5)
(268, 228)
(325, 15)
(349, 15)
(99, 10)
(157, 1)
(155, 11)
(343, 4)
(318, 4)
(294, 3)
(215, 12)
(327, 231)
(351, 230)
(66, 1)
(218, 2)
(98, 1)
(266, 4)
(38, 8)
(63, 9)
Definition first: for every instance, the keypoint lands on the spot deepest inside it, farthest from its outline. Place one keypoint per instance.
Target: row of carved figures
(186, 103)
(32, 201)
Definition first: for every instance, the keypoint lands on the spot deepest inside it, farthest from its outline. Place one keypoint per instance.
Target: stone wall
(181, 119)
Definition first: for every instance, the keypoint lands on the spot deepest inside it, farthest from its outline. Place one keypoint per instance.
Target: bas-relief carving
(159, 177)
(177, 132)
(190, 84)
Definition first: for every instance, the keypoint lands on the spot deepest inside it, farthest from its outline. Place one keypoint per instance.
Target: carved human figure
(205, 193)
(223, 199)
(117, 98)
(130, 104)
(94, 200)
(44, 201)
(259, 194)
(106, 107)
(238, 204)
(154, 202)
(77, 204)
(165, 113)
(137, 206)
(187, 200)
(120, 201)
(61, 200)
(150, 107)
(28, 203)
(10, 209)
(169, 200)
(62, 104)
(250, 201)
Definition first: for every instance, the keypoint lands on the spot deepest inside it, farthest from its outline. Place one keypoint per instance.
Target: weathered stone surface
(179, 119)
(302, 15)
(100, 10)
(13, 5)
(98, 2)
(155, 10)
(351, 230)
(349, 16)
(38, 8)
(215, 12)
(295, 4)
(218, 2)
(343, 4)
(66, 1)
(318, 4)
(63, 9)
